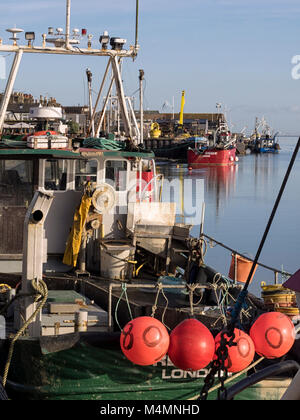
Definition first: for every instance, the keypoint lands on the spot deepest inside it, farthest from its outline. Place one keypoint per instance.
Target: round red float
(241, 355)
(273, 334)
(144, 340)
(192, 345)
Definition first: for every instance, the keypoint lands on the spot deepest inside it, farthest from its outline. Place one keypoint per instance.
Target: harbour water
(239, 201)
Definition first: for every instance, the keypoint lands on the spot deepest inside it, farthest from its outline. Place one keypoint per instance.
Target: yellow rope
(5, 287)
(192, 288)
(41, 287)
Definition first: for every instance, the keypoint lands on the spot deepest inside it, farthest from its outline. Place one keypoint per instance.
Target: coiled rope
(42, 293)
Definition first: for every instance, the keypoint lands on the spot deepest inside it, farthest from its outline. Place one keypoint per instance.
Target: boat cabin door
(17, 182)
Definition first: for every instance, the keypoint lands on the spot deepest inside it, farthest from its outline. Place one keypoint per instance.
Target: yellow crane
(181, 108)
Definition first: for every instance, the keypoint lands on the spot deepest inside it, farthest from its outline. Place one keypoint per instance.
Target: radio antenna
(136, 25)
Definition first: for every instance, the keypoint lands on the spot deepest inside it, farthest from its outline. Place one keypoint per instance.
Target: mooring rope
(160, 289)
(42, 291)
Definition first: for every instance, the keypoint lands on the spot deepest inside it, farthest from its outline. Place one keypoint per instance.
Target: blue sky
(237, 52)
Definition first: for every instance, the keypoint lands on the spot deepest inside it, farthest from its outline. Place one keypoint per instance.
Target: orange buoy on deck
(192, 345)
(273, 334)
(242, 267)
(144, 340)
(240, 355)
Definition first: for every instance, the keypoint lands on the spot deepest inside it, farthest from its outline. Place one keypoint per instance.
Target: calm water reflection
(239, 201)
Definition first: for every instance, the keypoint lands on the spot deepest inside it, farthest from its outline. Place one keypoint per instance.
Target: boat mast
(136, 25)
(63, 44)
(9, 87)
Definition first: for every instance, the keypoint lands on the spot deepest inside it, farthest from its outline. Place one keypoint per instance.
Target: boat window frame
(73, 172)
(28, 182)
(103, 172)
(69, 181)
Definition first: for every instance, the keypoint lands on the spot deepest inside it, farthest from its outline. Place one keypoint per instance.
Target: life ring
(45, 133)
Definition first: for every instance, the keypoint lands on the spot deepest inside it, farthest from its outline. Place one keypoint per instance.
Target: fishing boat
(264, 142)
(214, 149)
(88, 247)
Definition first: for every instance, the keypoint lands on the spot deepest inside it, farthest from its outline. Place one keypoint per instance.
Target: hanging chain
(218, 367)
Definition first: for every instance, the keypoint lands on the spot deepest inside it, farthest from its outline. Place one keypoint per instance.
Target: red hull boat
(211, 156)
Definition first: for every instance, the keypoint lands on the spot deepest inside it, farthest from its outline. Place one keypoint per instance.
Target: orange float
(144, 340)
(273, 334)
(240, 355)
(192, 345)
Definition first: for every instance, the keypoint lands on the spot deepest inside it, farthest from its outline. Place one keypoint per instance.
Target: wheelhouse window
(86, 171)
(55, 175)
(16, 182)
(116, 174)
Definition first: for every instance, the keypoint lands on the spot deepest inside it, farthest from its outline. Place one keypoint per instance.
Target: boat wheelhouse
(64, 173)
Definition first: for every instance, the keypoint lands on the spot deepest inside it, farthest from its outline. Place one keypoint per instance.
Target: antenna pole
(68, 13)
(136, 25)
(141, 77)
(89, 79)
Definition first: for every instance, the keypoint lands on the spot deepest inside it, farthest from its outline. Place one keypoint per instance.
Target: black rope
(240, 300)
(3, 395)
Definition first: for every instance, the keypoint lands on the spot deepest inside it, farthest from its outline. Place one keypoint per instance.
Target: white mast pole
(98, 97)
(68, 13)
(121, 96)
(9, 87)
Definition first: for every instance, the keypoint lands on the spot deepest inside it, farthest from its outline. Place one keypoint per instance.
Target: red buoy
(144, 340)
(192, 345)
(273, 334)
(241, 355)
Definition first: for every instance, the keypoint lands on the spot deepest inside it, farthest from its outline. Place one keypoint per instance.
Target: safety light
(104, 40)
(29, 36)
(90, 40)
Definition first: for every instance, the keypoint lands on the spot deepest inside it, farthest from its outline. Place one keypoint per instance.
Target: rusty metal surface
(11, 229)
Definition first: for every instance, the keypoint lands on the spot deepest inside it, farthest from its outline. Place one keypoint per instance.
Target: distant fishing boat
(264, 142)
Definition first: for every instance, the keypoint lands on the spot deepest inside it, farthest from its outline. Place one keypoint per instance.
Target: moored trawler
(214, 149)
(211, 156)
